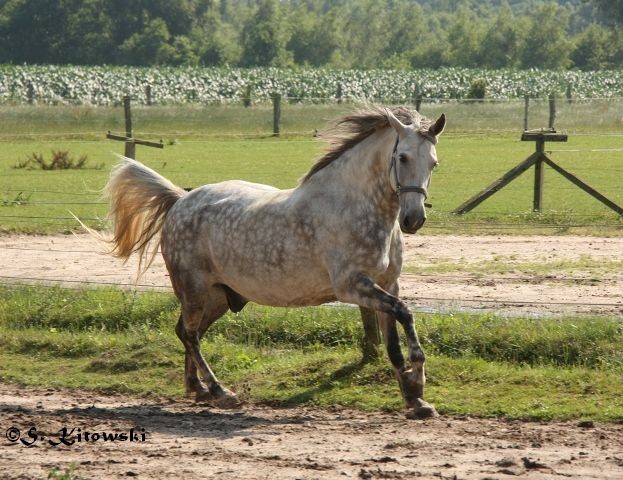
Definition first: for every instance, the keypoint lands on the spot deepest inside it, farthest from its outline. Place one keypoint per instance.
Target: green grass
(211, 144)
(477, 364)
(507, 264)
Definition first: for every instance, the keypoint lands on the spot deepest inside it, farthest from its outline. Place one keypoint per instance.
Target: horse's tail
(140, 199)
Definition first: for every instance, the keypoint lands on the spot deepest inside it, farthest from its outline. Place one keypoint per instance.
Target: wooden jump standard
(537, 159)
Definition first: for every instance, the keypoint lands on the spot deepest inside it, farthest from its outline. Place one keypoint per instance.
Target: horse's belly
(285, 291)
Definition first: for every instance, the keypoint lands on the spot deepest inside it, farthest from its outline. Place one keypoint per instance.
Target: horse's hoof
(422, 410)
(204, 396)
(226, 400)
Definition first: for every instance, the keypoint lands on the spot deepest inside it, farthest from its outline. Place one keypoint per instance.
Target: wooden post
(552, 110)
(246, 96)
(525, 112)
(569, 94)
(276, 114)
(538, 176)
(417, 97)
(129, 141)
(338, 94)
(130, 150)
(30, 93)
(148, 95)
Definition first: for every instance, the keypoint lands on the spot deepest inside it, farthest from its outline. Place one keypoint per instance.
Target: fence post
(525, 112)
(417, 97)
(130, 150)
(276, 114)
(30, 93)
(537, 200)
(552, 110)
(338, 94)
(569, 94)
(246, 96)
(148, 94)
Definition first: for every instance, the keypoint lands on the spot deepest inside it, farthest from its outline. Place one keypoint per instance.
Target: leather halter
(409, 188)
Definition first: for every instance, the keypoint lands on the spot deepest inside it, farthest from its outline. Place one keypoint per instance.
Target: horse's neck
(364, 172)
(361, 175)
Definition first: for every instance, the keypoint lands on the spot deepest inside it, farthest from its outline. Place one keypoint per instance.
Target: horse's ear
(437, 128)
(394, 122)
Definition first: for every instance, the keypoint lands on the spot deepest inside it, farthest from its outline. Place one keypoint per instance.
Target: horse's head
(413, 160)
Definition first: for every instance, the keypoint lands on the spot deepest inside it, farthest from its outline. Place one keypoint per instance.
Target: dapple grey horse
(336, 236)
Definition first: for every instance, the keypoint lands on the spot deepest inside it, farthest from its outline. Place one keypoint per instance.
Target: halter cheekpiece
(409, 188)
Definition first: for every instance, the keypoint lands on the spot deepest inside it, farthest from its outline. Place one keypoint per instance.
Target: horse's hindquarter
(251, 238)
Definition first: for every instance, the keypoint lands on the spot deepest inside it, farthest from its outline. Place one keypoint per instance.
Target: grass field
(210, 144)
(110, 340)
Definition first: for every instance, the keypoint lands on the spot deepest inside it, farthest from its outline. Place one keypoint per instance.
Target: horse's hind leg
(196, 317)
(192, 382)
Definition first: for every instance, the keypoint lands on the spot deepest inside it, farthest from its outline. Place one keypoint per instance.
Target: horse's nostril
(406, 222)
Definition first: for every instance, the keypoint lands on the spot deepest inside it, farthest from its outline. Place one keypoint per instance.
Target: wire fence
(52, 282)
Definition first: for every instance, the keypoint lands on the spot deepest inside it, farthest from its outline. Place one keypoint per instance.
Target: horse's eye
(402, 158)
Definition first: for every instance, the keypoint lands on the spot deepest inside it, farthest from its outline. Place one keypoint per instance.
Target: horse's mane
(349, 130)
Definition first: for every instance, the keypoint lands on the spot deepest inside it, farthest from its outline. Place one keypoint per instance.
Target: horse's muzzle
(410, 224)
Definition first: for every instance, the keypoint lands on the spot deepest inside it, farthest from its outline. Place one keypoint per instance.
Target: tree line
(363, 34)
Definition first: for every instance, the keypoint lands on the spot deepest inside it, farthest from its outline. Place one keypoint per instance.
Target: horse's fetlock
(417, 358)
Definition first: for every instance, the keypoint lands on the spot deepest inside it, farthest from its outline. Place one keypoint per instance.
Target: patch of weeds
(120, 361)
(60, 160)
(69, 473)
(19, 199)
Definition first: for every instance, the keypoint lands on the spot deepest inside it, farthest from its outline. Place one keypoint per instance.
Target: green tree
(88, 37)
(547, 44)
(264, 37)
(431, 51)
(464, 38)
(612, 10)
(148, 46)
(315, 34)
(367, 31)
(32, 31)
(217, 42)
(594, 48)
(408, 29)
(502, 41)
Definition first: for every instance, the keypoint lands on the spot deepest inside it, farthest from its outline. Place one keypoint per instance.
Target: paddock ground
(186, 440)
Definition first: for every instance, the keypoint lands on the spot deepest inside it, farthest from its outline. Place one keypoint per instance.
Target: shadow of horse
(154, 418)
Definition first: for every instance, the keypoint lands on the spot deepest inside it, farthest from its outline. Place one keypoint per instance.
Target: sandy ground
(556, 287)
(183, 440)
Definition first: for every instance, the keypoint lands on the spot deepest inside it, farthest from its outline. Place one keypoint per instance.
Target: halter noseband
(409, 188)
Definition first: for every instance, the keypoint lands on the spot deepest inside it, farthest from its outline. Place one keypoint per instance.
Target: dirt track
(557, 285)
(184, 440)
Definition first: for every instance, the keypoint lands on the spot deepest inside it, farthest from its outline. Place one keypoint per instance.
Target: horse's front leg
(361, 290)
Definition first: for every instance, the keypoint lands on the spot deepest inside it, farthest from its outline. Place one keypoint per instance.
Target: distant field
(210, 144)
(105, 85)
